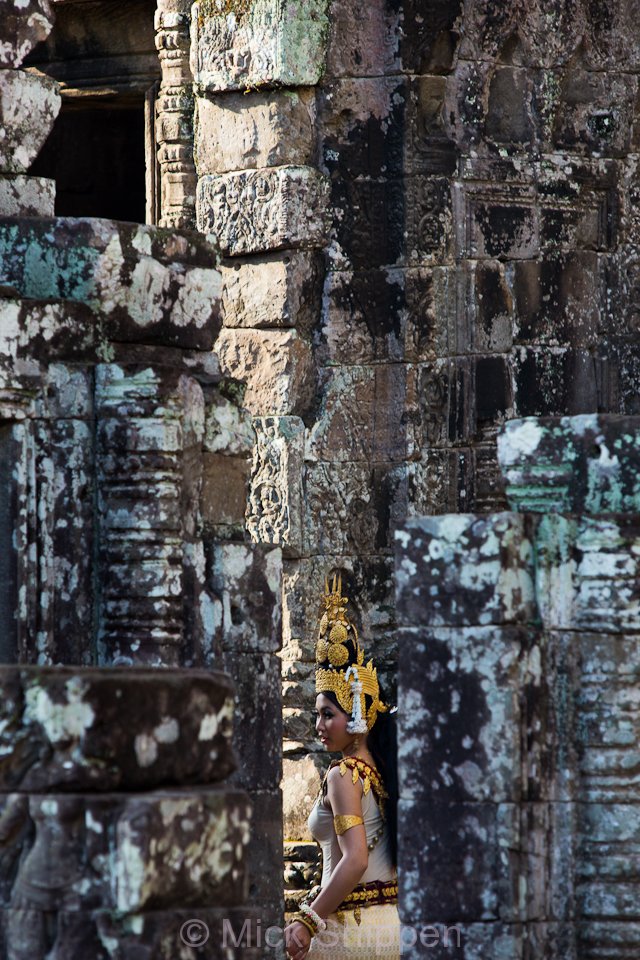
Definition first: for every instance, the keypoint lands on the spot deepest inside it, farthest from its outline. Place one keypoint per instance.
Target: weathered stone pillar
(117, 838)
(261, 196)
(467, 655)
(174, 116)
(127, 583)
(519, 725)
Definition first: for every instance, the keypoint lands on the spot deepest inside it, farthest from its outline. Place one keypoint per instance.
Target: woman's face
(331, 724)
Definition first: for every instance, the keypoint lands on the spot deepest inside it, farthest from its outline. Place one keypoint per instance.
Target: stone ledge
(148, 284)
(125, 728)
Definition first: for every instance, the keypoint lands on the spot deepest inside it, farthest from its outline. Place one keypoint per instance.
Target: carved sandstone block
(277, 291)
(275, 506)
(63, 728)
(241, 131)
(340, 510)
(465, 570)
(127, 852)
(22, 26)
(276, 365)
(261, 210)
(462, 739)
(239, 44)
(22, 196)
(29, 104)
(246, 580)
(584, 464)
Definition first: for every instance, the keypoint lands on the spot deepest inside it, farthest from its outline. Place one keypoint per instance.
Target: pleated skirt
(377, 937)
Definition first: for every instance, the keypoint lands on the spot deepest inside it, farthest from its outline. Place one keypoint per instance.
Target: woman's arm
(345, 798)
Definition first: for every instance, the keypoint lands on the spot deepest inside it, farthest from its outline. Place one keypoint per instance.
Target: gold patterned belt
(371, 894)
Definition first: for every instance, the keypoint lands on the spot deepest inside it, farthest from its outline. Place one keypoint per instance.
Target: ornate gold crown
(340, 666)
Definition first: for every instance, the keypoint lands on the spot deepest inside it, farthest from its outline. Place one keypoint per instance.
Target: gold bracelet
(342, 823)
(298, 918)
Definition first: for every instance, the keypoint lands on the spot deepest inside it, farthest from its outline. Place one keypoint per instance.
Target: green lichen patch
(222, 8)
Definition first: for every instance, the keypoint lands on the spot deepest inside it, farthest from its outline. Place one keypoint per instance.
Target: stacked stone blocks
(118, 435)
(115, 834)
(518, 658)
(24, 96)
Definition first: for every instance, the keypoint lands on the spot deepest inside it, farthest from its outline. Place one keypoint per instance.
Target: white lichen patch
(519, 439)
(93, 824)
(146, 748)
(208, 726)
(62, 722)
(167, 730)
(130, 870)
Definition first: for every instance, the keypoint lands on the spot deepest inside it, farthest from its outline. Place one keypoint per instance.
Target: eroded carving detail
(253, 211)
(275, 502)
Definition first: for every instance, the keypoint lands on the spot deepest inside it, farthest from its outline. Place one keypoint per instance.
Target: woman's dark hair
(382, 742)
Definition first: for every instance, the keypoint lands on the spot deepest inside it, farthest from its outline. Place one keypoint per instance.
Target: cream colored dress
(377, 937)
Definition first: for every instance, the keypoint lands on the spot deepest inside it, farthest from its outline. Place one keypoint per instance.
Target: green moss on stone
(221, 8)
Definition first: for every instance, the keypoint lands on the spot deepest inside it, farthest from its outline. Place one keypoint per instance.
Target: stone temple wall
(519, 678)
(124, 810)
(422, 216)
(428, 215)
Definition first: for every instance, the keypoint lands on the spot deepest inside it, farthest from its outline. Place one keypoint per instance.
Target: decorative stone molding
(148, 485)
(244, 44)
(174, 116)
(269, 209)
(274, 510)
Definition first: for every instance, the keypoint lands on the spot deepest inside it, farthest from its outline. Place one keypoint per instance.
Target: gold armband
(344, 823)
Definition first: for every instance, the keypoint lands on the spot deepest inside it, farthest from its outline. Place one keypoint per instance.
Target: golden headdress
(340, 666)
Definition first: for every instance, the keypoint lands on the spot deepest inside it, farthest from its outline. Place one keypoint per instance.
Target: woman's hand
(297, 940)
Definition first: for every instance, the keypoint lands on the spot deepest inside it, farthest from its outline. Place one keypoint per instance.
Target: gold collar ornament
(340, 666)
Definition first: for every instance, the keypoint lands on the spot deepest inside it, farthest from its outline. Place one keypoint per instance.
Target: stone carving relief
(238, 45)
(274, 510)
(271, 209)
(174, 115)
